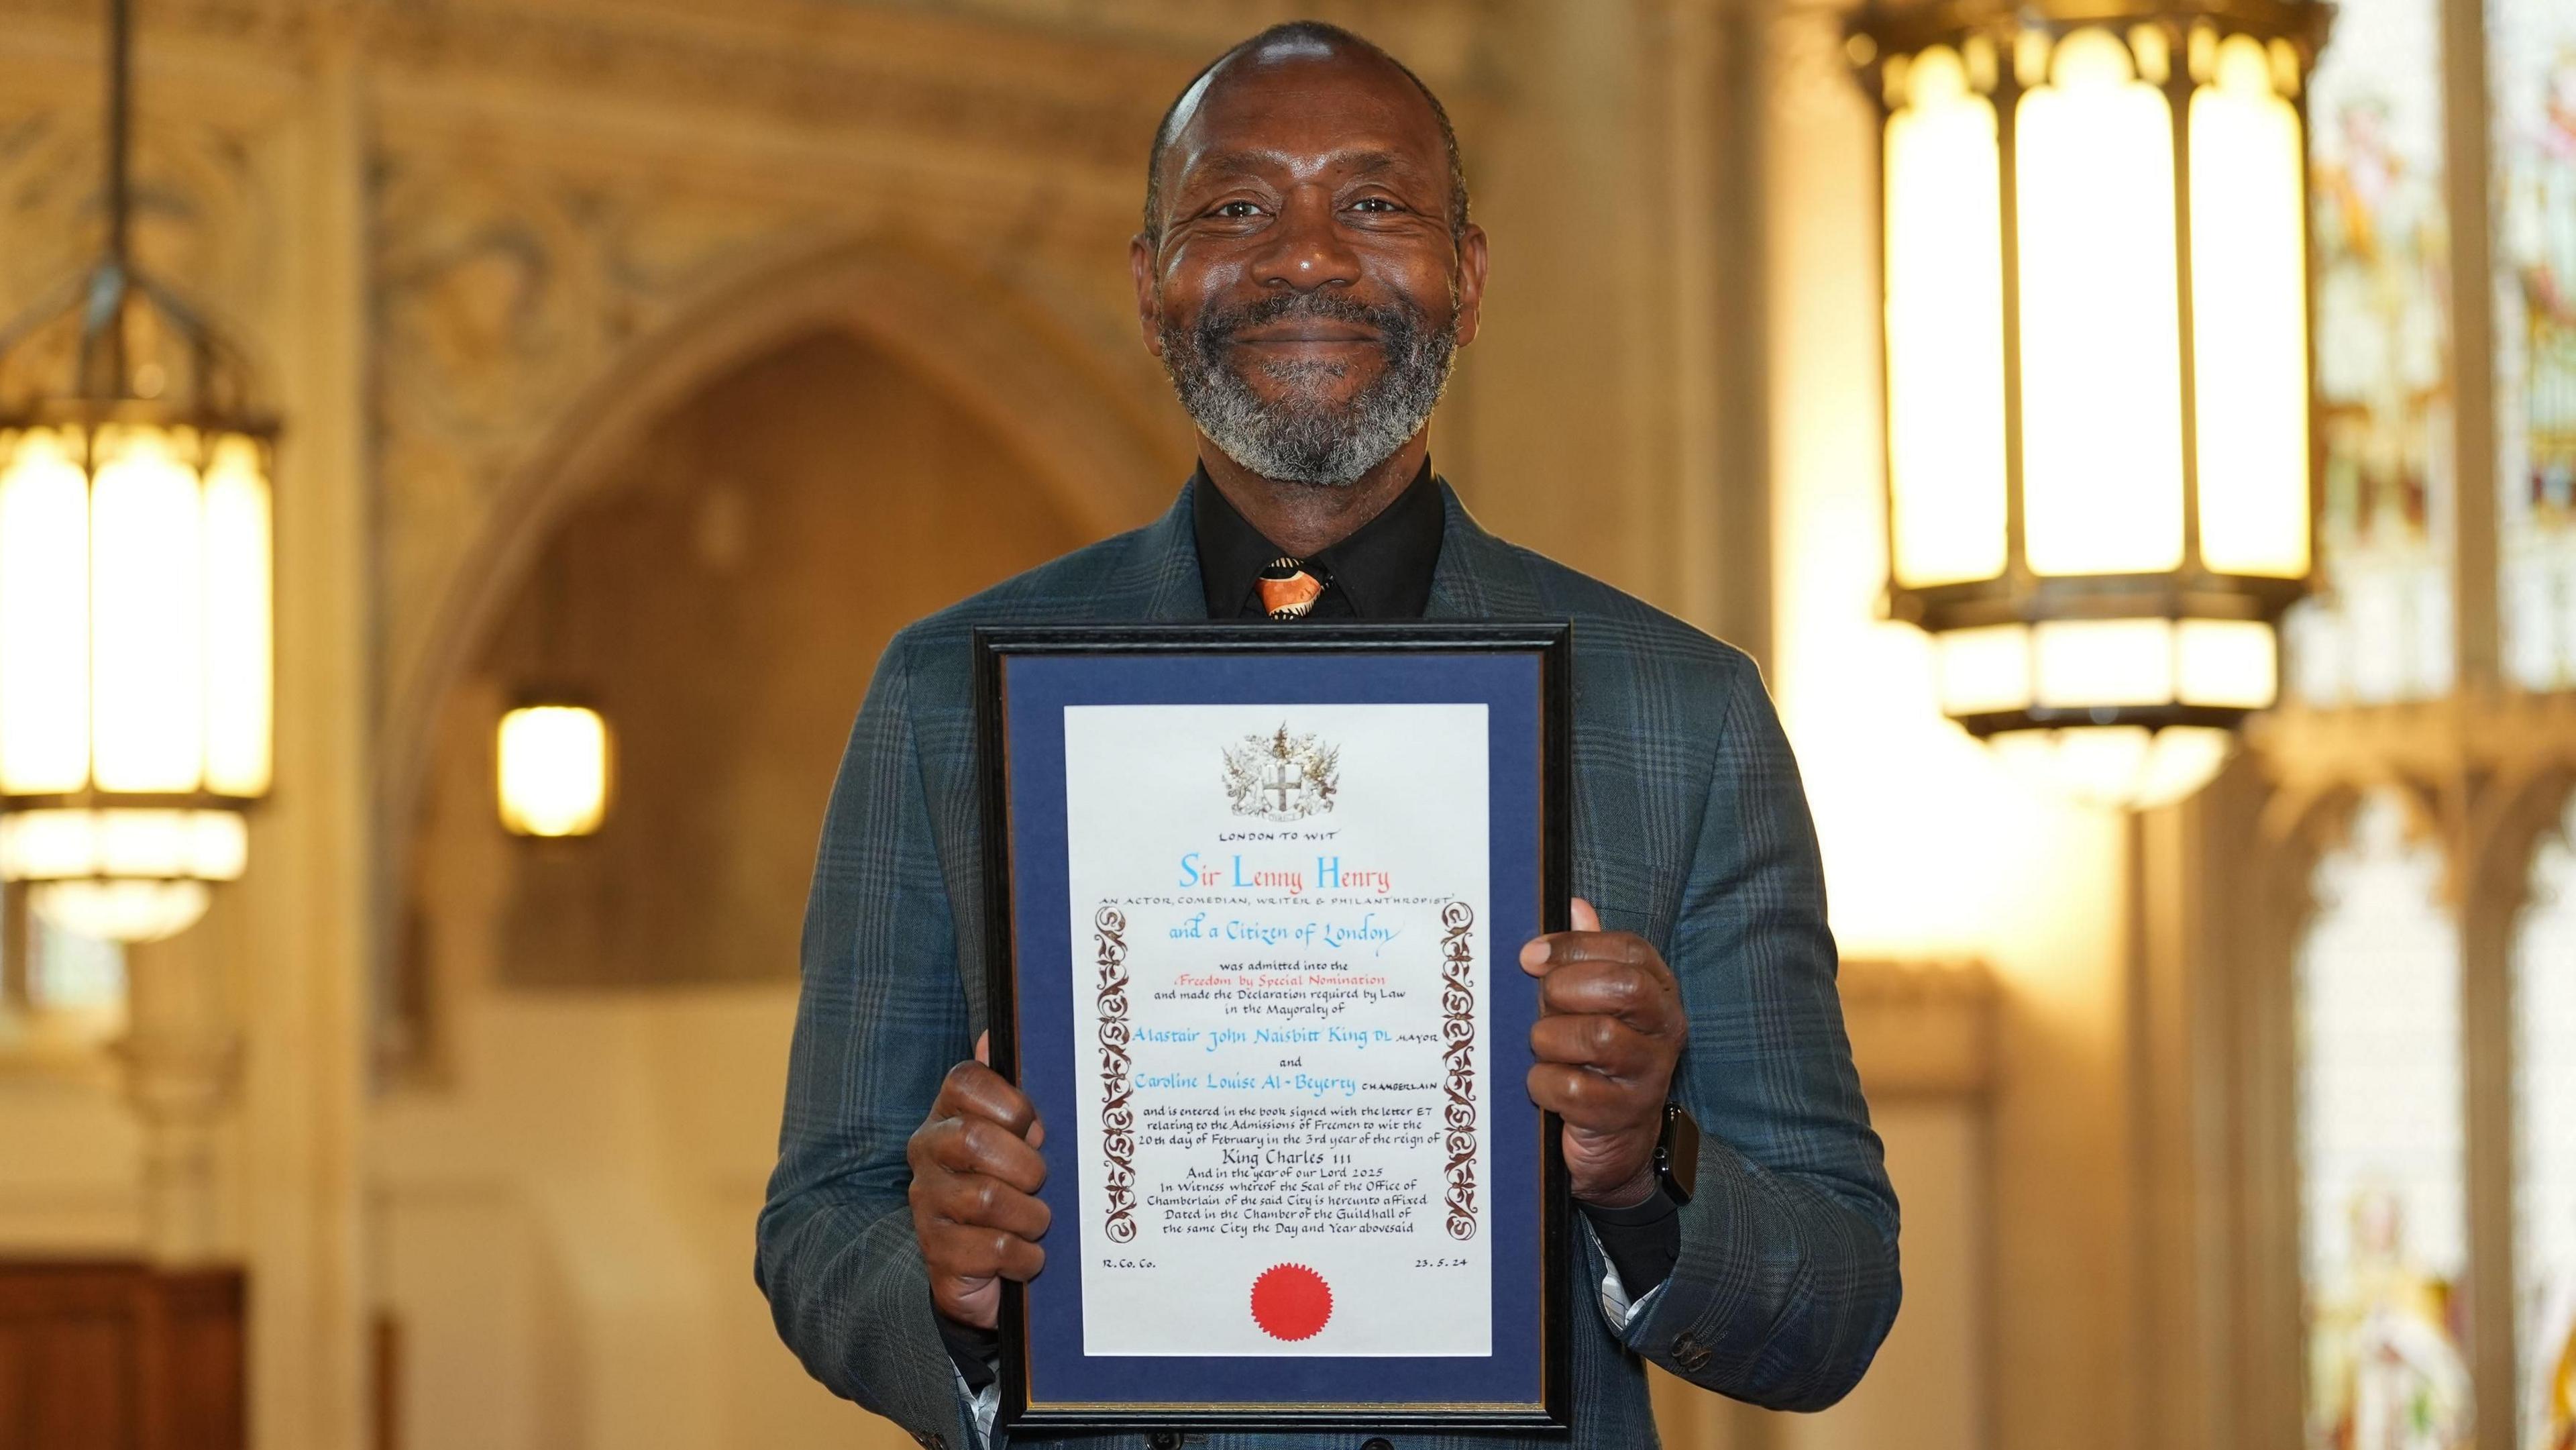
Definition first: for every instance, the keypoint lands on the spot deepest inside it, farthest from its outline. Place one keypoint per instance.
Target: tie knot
(1289, 587)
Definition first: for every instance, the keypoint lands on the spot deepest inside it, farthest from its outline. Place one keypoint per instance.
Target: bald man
(1306, 273)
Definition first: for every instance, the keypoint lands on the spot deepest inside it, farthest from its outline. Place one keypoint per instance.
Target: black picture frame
(1550, 641)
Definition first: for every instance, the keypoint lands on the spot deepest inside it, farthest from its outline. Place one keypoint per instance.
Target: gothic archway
(1084, 436)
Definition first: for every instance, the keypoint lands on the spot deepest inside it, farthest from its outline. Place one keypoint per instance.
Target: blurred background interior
(643, 364)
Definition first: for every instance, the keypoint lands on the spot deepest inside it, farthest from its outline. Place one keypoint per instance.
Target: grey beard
(1303, 438)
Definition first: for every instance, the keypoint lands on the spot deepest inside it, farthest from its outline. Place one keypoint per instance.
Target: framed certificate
(1256, 901)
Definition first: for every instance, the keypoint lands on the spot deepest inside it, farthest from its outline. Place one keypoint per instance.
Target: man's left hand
(1611, 1028)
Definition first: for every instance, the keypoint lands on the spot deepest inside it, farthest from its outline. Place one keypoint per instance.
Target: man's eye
(1238, 209)
(1375, 204)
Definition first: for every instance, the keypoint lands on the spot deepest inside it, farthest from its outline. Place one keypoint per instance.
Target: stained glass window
(2531, 48)
(2381, 1141)
(2382, 629)
(2544, 1012)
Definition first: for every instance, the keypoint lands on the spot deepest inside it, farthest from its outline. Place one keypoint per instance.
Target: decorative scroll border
(1117, 1088)
(1458, 1034)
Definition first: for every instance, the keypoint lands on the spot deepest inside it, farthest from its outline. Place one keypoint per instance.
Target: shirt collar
(1383, 570)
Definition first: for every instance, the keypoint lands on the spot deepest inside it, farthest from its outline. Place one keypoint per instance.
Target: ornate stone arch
(2529, 806)
(1081, 429)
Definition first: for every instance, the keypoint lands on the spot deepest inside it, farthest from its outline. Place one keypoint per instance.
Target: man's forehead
(1263, 102)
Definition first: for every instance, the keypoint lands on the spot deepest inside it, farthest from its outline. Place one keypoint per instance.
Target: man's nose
(1307, 249)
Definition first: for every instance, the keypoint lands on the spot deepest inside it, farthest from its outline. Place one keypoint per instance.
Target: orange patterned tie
(1287, 589)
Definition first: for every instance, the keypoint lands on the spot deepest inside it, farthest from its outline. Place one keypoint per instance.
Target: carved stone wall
(501, 294)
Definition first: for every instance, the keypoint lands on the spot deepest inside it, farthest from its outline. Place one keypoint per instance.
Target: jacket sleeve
(1787, 1280)
(881, 1019)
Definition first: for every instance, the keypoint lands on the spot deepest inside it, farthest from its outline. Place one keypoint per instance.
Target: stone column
(181, 1054)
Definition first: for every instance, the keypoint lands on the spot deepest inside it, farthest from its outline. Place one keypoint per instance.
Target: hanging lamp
(2099, 456)
(136, 650)
(554, 753)
(554, 767)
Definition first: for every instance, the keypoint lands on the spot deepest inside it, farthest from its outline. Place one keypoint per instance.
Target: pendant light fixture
(554, 751)
(554, 754)
(2097, 366)
(136, 654)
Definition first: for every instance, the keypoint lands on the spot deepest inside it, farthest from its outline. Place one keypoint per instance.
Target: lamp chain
(120, 125)
(102, 343)
(550, 610)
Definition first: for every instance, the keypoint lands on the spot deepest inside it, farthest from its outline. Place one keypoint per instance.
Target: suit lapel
(1158, 581)
(1478, 576)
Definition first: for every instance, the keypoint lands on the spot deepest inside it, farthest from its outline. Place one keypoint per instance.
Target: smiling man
(1307, 273)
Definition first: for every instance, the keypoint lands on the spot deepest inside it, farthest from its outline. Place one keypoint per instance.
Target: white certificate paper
(1281, 962)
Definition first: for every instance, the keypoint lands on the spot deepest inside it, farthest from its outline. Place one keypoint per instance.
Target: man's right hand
(975, 1174)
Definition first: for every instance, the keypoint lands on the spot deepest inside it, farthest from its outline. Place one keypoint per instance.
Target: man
(1306, 272)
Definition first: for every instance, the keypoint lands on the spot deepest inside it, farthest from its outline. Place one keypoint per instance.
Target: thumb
(1585, 918)
(984, 1049)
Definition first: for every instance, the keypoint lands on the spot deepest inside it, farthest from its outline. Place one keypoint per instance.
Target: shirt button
(1164, 1440)
(1377, 1442)
(1689, 1353)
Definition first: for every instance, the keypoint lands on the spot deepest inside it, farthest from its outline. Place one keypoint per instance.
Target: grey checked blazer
(1690, 828)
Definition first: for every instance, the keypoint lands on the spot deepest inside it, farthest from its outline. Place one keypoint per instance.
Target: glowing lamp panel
(2226, 664)
(147, 621)
(2100, 356)
(1945, 353)
(136, 612)
(553, 770)
(2249, 318)
(240, 616)
(2093, 664)
(44, 613)
(1985, 671)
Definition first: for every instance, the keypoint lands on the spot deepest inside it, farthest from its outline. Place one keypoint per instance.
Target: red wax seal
(1291, 1301)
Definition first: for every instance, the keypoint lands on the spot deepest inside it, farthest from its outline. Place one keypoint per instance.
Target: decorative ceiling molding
(1085, 103)
(1427, 34)
(1080, 83)
(246, 19)
(2308, 749)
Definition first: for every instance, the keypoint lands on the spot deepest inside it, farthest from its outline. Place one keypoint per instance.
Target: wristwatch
(1677, 1154)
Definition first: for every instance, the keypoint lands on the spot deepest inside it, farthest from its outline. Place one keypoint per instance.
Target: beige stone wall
(562, 1229)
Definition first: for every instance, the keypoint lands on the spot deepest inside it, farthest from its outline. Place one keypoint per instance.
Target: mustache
(1397, 323)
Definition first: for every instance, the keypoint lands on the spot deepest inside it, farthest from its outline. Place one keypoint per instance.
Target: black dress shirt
(1382, 571)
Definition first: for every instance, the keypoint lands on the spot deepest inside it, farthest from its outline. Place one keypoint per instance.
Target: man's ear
(1149, 305)
(1471, 282)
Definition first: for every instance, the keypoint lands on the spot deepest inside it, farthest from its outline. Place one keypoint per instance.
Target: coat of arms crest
(1282, 777)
